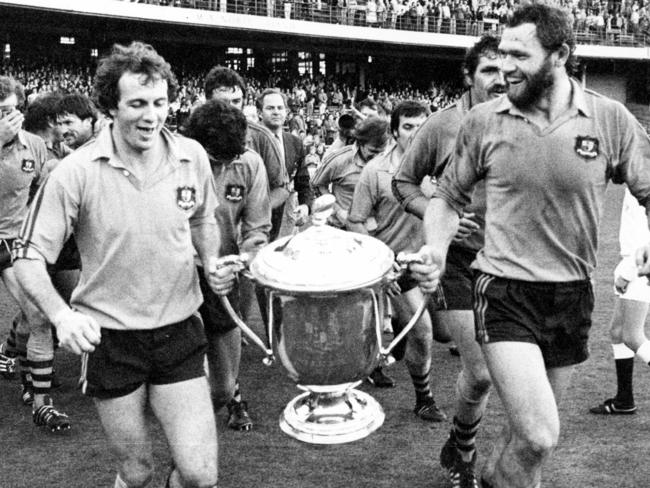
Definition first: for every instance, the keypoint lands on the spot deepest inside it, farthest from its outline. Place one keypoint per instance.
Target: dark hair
(41, 113)
(488, 43)
(372, 130)
(222, 76)
(138, 58)
(219, 127)
(259, 103)
(408, 108)
(77, 104)
(9, 86)
(553, 24)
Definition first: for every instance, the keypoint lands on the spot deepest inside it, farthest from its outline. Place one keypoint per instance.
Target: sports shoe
(460, 473)
(429, 411)
(7, 366)
(27, 393)
(379, 379)
(610, 407)
(48, 416)
(238, 418)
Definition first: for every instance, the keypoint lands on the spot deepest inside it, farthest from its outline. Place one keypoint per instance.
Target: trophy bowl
(325, 292)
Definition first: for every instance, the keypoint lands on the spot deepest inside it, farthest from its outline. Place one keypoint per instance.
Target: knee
(474, 386)
(535, 446)
(204, 476)
(137, 472)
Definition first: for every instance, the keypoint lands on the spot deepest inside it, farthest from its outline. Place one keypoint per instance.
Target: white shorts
(638, 289)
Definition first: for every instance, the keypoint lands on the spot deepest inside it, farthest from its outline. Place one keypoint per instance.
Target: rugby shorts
(124, 360)
(555, 316)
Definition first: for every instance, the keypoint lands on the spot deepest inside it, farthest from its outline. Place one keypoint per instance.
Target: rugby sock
(624, 360)
(10, 346)
(422, 389)
(236, 396)
(119, 483)
(41, 378)
(465, 436)
(644, 352)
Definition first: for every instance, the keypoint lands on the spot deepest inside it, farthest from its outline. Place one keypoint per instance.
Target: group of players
(508, 233)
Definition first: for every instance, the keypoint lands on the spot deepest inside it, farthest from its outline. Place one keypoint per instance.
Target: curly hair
(77, 104)
(554, 27)
(219, 127)
(41, 113)
(137, 57)
(222, 76)
(487, 44)
(9, 86)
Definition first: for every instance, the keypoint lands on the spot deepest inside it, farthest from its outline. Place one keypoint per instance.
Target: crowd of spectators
(594, 20)
(315, 103)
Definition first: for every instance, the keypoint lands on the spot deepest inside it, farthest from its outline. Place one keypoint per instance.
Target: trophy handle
(242, 261)
(385, 351)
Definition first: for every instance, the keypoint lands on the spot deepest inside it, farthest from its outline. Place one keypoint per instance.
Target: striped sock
(422, 389)
(465, 435)
(42, 376)
(10, 347)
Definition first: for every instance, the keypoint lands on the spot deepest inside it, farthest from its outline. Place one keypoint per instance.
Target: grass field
(594, 451)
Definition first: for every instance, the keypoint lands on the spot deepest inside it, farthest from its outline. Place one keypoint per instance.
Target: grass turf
(593, 452)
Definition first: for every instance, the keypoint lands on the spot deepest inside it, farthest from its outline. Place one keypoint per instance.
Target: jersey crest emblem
(186, 197)
(234, 193)
(587, 147)
(28, 165)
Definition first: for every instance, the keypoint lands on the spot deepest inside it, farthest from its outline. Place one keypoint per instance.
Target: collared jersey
(428, 153)
(22, 170)
(244, 211)
(373, 197)
(262, 141)
(545, 187)
(134, 237)
(341, 169)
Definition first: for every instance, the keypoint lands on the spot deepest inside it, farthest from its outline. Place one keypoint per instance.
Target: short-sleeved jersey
(545, 187)
(22, 170)
(244, 211)
(341, 169)
(262, 141)
(428, 153)
(373, 197)
(134, 237)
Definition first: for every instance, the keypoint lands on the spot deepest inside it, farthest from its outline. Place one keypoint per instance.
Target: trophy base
(331, 417)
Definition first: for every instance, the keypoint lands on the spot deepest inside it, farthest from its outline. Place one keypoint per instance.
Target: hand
(393, 289)
(76, 331)
(620, 284)
(10, 124)
(466, 227)
(429, 270)
(642, 260)
(221, 278)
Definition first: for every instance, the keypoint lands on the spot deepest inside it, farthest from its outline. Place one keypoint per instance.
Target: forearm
(206, 241)
(440, 225)
(37, 286)
(278, 196)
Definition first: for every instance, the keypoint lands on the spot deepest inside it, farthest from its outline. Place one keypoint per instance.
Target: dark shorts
(127, 359)
(5, 254)
(456, 283)
(215, 317)
(555, 316)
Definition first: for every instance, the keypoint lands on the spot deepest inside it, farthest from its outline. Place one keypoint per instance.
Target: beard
(534, 86)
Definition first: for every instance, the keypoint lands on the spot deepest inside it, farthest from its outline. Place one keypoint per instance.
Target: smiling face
(487, 80)
(527, 66)
(75, 131)
(141, 111)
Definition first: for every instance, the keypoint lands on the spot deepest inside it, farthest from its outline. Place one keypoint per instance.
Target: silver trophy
(326, 295)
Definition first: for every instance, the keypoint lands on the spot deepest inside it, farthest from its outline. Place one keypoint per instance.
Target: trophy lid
(322, 259)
